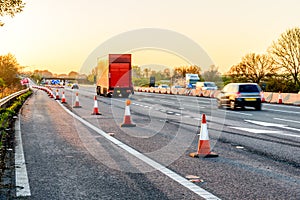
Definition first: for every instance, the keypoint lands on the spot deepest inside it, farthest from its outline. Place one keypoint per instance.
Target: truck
(114, 77)
(191, 80)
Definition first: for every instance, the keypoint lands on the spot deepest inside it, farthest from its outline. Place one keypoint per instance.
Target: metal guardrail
(7, 99)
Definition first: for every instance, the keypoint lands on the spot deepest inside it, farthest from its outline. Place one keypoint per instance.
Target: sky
(59, 35)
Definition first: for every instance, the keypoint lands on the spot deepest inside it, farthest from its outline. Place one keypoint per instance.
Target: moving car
(240, 95)
(163, 86)
(75, 86)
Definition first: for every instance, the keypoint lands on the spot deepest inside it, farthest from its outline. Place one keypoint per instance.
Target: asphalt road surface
(71, 154)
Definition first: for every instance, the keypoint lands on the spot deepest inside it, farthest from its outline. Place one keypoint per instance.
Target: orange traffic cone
(63, 98)
(263, 97)
(127, 119)
(203, 144)
(57, 95)
(201, 93)
(96, 111)
(280, 98)
(76, 105)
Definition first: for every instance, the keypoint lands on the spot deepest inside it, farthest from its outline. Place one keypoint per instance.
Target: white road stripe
(260, 131)
(272, 125)
(287, 120)
(22, 182)
(191, 186)
(283, 111)
(235, 112)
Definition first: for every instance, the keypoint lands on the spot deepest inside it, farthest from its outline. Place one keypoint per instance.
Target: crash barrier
(6, 100)
(268, 97)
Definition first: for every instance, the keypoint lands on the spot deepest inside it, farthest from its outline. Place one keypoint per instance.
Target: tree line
(276, 70)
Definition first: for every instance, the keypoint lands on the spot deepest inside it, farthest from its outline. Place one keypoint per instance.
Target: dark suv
(240, 95)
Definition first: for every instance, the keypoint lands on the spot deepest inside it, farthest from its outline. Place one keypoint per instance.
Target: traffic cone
(280, 98)
(76, 105)
(201, 93)
(96, 111)
(212, 94)
(63, 98)
(263, 97)
(57, 95)
(203, 144)
(127, 119)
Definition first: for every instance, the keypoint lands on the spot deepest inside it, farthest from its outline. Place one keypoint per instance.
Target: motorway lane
(261, 164)
(66, 160)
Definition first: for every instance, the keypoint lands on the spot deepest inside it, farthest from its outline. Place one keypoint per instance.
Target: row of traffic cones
(127, 117)
(203, 150)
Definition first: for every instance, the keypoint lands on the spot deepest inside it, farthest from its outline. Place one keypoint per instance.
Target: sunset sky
(59, 35)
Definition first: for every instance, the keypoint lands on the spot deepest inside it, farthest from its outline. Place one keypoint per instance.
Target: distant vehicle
(191, 80)
(177, 86)
(114, 76)
(240, 95)
(163, 86)
(152, 81)
(206, 86)
(75, 86)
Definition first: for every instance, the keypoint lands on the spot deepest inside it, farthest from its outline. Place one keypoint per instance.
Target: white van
(206, 86)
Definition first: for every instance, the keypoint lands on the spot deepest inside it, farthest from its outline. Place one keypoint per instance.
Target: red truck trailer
(114, 76)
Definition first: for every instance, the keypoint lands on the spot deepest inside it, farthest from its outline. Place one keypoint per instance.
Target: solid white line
(287, 120)
(22, 182)
(189, 185)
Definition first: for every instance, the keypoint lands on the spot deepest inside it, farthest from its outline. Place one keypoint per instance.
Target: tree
(9, 69)
(286, 53)
(10, 8)
(212, 74)
(253, 68)
(73, 74)
(146, 72)
(183, 70)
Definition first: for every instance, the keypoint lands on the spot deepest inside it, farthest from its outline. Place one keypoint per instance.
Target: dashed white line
(184, 182)
(22, 181)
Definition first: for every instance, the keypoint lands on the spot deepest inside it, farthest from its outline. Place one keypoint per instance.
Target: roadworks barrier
(204, 149)
(267, 97)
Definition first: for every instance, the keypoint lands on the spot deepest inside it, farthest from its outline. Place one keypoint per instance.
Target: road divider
(267, 97)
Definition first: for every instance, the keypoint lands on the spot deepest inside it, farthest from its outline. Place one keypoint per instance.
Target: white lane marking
(282, 106)
(273, 125)
(259, 131)
(265, 123)
(189, 185)
(252, 130)
(22, 181)
(287, 120)
(236, 112)
(283, 111)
